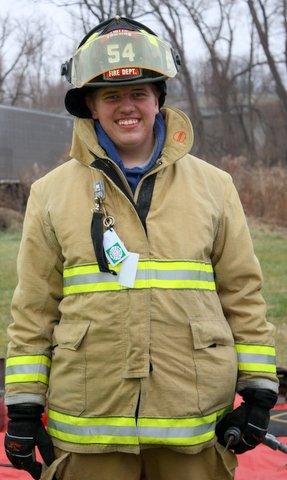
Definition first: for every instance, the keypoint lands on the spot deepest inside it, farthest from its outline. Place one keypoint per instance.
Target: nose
(127, 104)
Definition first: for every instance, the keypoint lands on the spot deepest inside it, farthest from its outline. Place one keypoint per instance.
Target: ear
(157, 103)
(156, 97)
(91, 104)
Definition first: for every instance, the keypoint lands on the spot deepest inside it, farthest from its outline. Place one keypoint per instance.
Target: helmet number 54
(114, 53)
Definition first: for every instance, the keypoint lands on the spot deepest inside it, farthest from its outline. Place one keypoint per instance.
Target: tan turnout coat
(146, 366)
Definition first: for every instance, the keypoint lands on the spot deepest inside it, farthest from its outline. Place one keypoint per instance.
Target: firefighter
(138, 312)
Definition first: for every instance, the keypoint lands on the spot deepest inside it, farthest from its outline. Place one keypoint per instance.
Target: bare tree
(263, 16)
(86, 12)
(235, 88)
(284, 21)
(8, 67)
(170, 18)
(215, 25)
(22, 52)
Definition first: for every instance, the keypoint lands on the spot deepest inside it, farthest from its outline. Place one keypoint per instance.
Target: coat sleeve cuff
(258, 383)
(25, 398)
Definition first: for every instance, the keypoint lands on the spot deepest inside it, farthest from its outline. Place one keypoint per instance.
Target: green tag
(114, 248)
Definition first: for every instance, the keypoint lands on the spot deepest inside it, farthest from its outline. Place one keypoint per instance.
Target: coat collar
(179, 138)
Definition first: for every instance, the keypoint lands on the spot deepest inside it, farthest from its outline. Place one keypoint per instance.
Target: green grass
(270, 248)
(9, 245)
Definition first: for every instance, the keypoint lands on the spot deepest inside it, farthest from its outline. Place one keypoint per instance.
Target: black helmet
(118, 51)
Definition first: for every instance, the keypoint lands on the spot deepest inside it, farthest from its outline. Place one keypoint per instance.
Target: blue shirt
(133, 175)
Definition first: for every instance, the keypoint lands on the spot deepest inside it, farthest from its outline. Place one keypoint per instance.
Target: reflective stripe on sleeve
(256, 358)
(150, 274)
(125, 431)
(28, 368)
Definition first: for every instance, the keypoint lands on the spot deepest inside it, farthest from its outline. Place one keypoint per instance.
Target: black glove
(25, 431)
(251, 419)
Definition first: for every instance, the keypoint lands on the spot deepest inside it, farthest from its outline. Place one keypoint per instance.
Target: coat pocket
(215, 362)
(67, 386)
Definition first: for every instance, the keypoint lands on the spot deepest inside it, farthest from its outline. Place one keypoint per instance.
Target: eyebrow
(109, 92)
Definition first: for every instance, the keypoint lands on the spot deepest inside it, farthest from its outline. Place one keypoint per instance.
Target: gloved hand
(25, 431)
(251, 418)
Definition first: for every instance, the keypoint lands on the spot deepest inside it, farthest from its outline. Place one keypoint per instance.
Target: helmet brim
(75, 100)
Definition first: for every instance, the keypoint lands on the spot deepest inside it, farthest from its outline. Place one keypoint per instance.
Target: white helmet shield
(121, 55)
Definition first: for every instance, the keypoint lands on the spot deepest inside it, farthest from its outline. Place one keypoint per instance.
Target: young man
(138, 301)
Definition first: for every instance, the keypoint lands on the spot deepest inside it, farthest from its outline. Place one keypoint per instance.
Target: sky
(20, 8)
(60, 19)
(64, 36)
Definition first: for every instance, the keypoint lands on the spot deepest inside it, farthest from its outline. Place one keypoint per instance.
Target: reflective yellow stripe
(92, 439)
(189, 441)
(241, 348)
(174, 265)
(28, 368)
(97, 430)
(150, 274)
(140, 284)
(28, 377)
(256, 358)
(87, 288)
(84, 269)
(143, 265)
(181, 422)
(88, 421)
(28, 359)
(87, 43)
(125, 431)
(155, 283)
(256, 367)
(152, 39)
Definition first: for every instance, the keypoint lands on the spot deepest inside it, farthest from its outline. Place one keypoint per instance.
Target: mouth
(128, 122)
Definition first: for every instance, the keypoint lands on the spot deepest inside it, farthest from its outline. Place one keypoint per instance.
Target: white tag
(114, 248)
(128, 271)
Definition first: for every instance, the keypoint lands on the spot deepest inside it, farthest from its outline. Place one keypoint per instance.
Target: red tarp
(262, 463)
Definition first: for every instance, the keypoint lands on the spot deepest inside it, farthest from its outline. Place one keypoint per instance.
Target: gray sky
(64, 35)
(64, 32)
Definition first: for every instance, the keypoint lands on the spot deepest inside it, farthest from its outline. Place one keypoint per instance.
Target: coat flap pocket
(210, 332)
(70, 335)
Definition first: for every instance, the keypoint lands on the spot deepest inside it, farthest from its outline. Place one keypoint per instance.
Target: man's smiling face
(127, 114)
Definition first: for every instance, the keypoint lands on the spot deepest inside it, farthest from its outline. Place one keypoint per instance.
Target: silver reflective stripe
(141, 275)
(89, 278)
(255, 358)
(259, 383)
(84, 430)
(157, 432)
(176, 432)
(32, 368)
(25, 398)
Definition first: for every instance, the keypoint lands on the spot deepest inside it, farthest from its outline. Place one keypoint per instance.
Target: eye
(111, 98)
(140, 94)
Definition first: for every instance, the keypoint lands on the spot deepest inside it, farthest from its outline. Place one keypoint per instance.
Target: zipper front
(144, 190)
(152, 170)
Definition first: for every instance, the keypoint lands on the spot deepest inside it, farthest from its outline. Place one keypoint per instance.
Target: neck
(136, 157)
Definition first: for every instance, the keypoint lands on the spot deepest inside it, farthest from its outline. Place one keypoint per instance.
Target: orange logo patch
(179, 136)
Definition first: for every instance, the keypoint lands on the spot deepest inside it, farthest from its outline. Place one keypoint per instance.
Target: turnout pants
(152, 464)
